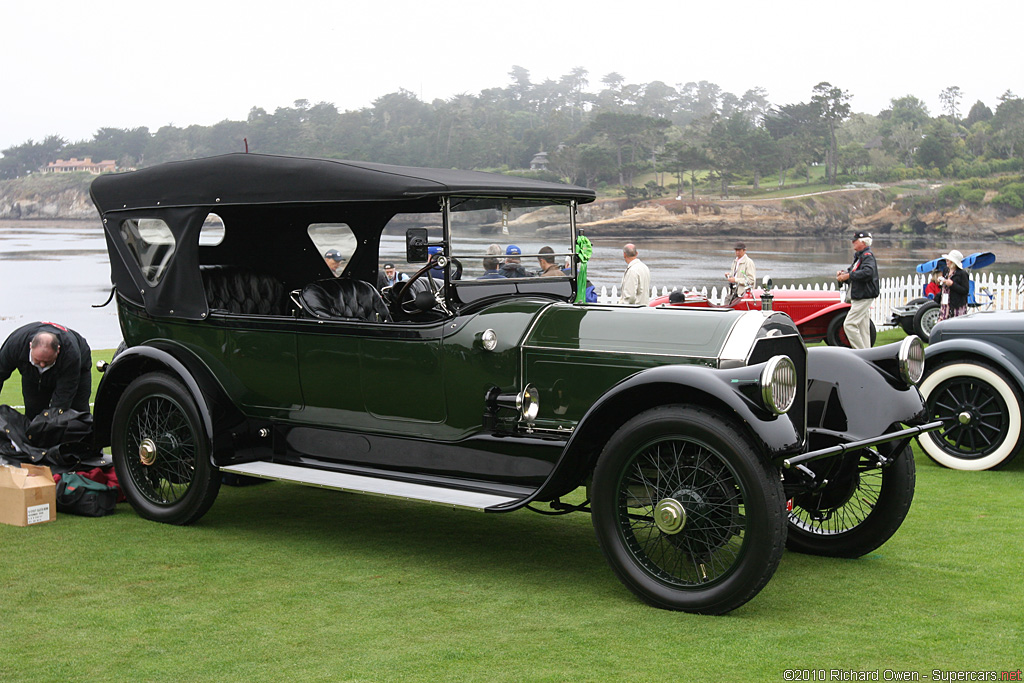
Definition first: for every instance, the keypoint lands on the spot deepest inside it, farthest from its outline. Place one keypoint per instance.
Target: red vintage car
(819, 315)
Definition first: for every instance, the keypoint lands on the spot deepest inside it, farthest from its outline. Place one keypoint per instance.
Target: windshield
(501, 238)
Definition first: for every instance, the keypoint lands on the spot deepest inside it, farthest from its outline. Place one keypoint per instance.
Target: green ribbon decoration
(584, 250)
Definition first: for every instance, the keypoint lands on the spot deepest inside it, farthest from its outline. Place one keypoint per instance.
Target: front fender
(177, 362)
(851, 396)
(974, 349)
(719, 390)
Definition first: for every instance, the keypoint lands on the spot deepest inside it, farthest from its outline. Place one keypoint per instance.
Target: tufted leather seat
(242, 291)
(344, 299)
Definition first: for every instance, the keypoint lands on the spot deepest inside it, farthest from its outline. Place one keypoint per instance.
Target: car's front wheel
(980, 408)
(859, 508)
(687, 514)
(161, 453)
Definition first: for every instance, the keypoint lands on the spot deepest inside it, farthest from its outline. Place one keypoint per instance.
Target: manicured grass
(282, 582)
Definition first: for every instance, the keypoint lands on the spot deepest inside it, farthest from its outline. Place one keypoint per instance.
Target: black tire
(161, 453)
(859, 509)
(924, 320)
(981, 410)
(671, 458)
(836, 335)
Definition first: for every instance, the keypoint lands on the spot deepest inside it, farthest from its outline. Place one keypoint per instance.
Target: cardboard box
(27, 495)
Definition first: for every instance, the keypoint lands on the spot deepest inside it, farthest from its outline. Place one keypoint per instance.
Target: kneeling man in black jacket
(55, 364)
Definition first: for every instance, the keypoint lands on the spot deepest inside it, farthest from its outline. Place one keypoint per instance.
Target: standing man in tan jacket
(636, 281)
(742, 276)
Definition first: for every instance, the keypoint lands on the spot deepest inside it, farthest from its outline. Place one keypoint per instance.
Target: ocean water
(58, 270)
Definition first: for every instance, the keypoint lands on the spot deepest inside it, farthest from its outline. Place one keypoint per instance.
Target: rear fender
(179, 363)
(825, 314)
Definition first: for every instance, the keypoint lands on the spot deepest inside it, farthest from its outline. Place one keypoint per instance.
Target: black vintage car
(705, 440)
(974, 385)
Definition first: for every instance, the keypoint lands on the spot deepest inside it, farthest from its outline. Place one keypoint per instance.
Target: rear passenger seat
(243, 291)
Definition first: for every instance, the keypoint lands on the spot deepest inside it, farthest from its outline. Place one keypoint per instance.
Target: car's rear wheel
(925, 319)
(981, 412)
(687, 514)
(859, 509)
(836, 335)
(161, 453)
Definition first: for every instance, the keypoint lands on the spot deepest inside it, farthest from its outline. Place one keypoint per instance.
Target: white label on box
(39, 513)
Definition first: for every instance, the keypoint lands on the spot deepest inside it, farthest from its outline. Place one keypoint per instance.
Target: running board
(354, 483)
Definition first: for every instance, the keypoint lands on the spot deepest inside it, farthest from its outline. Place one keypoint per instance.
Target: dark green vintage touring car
(706, 440)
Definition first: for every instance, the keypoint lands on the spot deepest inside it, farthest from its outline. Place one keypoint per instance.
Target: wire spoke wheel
(158, 426)
(859, 507)
(687, 514)
(161, 453)
(842, 506)
(709, 545)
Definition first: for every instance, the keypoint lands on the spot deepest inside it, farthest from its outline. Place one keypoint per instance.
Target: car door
(377, 377)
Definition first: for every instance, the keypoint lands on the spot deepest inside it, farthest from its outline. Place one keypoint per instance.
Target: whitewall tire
(981, 408)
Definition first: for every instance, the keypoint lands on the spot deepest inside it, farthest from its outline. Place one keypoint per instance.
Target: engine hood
(723, 336)
(979, 324)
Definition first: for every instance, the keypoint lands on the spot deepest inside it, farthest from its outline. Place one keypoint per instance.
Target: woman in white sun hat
(955, 287)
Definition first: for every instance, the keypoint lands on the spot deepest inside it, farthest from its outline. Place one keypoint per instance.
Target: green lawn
(282, 582)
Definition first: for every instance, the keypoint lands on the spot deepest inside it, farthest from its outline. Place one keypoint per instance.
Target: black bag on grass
(79, 495)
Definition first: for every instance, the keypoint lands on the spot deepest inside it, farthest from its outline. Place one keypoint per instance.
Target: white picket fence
(993, 292)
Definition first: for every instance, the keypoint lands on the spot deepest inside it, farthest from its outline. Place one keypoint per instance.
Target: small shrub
(1009, 200)
(973, 196)
(950, 195)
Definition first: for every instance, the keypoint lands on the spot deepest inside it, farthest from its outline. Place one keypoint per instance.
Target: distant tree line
(608, 135)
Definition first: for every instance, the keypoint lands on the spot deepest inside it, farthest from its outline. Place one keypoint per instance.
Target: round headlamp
(911, 358)
(778, 384)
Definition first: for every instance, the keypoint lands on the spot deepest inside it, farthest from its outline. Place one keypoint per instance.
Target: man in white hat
(863, 278)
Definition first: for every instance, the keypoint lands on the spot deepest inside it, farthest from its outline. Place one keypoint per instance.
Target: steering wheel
(405, 298)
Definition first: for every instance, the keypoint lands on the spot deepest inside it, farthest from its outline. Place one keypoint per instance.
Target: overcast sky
(73, 67)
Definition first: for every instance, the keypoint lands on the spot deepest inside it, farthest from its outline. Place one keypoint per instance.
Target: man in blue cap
(512, 267)
(335, 261)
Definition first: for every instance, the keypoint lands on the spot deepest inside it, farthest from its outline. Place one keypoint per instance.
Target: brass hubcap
(669, 516)
(147, 452)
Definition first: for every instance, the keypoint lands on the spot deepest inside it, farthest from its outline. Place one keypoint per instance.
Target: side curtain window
(151, 244)
(336, 244)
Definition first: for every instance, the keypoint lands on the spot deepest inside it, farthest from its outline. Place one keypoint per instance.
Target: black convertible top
(269, 179)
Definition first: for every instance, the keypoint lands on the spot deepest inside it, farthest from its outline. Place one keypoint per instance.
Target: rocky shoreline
(825, 215)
